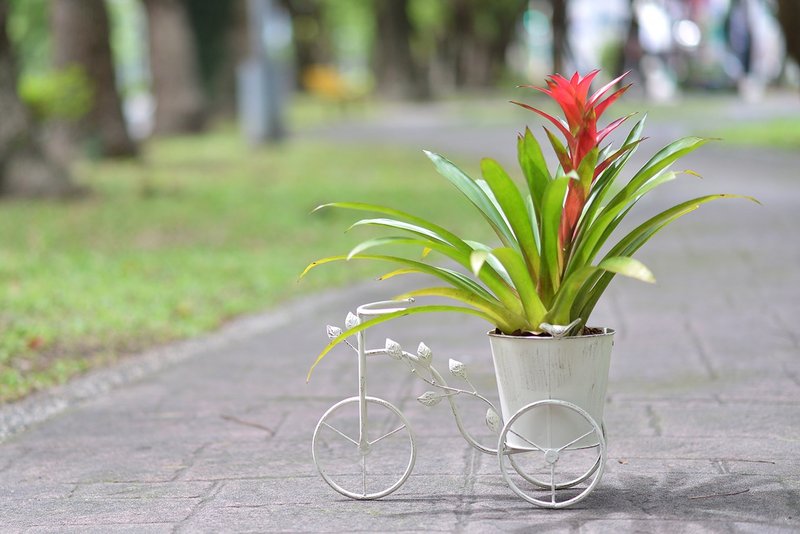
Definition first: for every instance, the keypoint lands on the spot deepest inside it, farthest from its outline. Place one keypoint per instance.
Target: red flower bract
(583, 139)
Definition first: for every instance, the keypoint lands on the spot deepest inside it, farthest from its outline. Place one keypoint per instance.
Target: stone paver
(703, 413)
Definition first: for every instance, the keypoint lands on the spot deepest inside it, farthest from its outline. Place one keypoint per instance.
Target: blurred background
(158, 158)
(128, 69)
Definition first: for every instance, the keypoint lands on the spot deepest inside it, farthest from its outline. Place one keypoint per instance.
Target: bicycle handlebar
(375, 308)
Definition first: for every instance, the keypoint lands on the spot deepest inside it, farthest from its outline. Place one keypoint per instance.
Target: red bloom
(581, 112)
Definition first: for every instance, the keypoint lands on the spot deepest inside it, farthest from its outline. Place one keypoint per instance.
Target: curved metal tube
(438, 381)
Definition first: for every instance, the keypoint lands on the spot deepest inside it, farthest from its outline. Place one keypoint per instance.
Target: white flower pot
(572, 369)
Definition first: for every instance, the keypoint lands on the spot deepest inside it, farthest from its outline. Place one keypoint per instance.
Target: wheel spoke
(532, 444)
(553, 483)
(345, 436)
(576, 440)
(395, 431)
(364, 474)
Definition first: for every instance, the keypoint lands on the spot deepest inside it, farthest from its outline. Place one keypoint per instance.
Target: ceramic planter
(572, 369)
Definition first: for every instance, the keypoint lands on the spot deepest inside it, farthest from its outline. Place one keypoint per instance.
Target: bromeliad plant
(551, 232)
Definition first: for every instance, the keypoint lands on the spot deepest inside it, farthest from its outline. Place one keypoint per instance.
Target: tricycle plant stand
(551, 449)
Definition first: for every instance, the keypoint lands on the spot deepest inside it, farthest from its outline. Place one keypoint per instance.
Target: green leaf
(388, 317)
(628, 245)
(474, 194)
(495, 281)
(552, 208)
(573, 285)
(569, 290)
(361, 206)
(629, 267)
(382, 241)
(400, 225)
(489, 259)
(501, 317)
(560, 150)
(513, 206)
(605, 181)
(524, 284)
(451, 277)
(586, 169)
(534, 167)
(477, 259)
(657, 180)
(598, 230)
(663, 159)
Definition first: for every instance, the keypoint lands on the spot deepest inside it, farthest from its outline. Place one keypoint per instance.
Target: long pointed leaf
(451, 277)
(361, 206)
(552, 255)
(401, 225)
(534, 167)
(513, 206)
(561, 311)
(473, 192)
(605, 181)
(493, 280)
(506, 321)
(593, 236)
(516, 268)
(663, 159)
(628, 245)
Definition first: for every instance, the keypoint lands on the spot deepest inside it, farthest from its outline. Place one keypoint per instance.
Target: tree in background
(311, 36)
(472, 40)
(25, 167)
(180, 106)
(559, 25)
(220, 32)
(397, 72)
(789, 17)
(80, 37)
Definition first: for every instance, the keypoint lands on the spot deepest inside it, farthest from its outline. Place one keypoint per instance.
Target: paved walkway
(703, 413)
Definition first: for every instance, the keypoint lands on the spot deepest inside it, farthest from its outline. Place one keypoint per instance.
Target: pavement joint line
(192, 458)
(702, 349)
(251, 424)
(39, 407)
(785, 328)
(212, 492)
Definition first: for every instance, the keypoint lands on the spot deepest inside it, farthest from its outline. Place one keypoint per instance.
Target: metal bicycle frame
(420, 365)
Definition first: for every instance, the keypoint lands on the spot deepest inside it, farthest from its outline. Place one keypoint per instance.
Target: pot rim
(606, 332)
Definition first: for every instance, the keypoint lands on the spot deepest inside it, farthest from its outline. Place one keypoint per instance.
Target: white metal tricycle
(551, 451)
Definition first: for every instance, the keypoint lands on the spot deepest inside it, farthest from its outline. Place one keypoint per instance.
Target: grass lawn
(202, 229)
(773, 133)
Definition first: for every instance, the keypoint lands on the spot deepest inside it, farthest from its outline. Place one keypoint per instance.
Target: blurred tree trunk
(478, 38)
(397, 72)
(219, 30)
(311, 39)
(236, 47)
(25, 168)
(180, 107)
(630, 51)
(559, 25)
(789, 17)
(81, 37)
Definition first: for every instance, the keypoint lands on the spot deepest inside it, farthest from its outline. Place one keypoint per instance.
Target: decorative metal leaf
(333, 331)
(493, 421)
(425, 354)
(351, 321)
(429, 398)
(458, 369)
(394, 349)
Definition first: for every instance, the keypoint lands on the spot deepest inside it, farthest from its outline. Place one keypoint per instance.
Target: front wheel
(369, 466)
